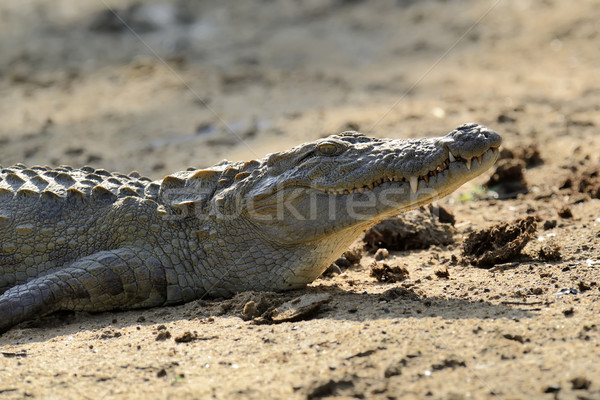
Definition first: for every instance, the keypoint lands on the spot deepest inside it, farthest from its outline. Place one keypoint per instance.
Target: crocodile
(90, 240)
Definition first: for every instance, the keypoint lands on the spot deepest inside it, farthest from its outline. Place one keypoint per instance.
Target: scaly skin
(84, 239)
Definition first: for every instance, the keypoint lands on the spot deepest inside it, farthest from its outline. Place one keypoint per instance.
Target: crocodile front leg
(117, 279)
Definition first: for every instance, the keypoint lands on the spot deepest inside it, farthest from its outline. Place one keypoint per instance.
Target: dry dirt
(196, 82)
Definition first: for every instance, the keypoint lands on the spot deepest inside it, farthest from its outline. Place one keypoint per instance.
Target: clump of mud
(249, 305)
(388, 274)
(585, 181)
(412, 231)
(529, 154)
(550, 251)
(499, 243)
(508, 179)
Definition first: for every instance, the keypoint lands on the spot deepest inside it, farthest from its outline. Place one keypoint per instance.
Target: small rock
(300, 308)
(552, 388)
(537, 291)
(163, 335)
(442, 273)
(516, 338)
(566, 291)
(580, 383)
(565, 212)
(568, 312)
(343, 263)
(395, 369)
(353, 254)
(186, 337)
(250, 310)
(505, 119)
(392, 371)
(448, 363)
(381, 253)
(330, 389)
(550, 224)
(109, 334)
(583, 286)
(332, 270)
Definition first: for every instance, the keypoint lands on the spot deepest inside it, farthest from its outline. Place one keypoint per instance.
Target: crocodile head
(316, 198)
(350, 181)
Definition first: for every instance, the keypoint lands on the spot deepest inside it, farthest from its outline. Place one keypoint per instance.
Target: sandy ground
(195, 82)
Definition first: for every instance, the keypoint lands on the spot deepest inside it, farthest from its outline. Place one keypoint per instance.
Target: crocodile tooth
(426, 178)
(361, 190)
(414, 184)
(370, 186)
(468, 162)
(479, 158)
(451, 156)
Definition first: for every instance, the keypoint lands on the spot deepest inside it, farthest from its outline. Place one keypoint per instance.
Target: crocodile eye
(328, 149)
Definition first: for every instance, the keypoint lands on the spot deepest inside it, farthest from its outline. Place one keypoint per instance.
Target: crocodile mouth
(470, 166)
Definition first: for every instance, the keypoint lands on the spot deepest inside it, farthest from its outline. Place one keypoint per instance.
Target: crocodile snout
(471, 140)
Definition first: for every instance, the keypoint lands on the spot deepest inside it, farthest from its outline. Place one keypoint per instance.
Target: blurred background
(157, 86)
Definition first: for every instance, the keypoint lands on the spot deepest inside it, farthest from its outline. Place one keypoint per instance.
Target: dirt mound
(586, 181)
(499, 243)
(415, 230)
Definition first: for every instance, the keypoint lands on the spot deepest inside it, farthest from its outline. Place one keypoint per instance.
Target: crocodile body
(88, 239)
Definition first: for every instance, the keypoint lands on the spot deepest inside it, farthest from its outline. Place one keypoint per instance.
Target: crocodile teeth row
(371, 186)
(414, 180)
(468, 161)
